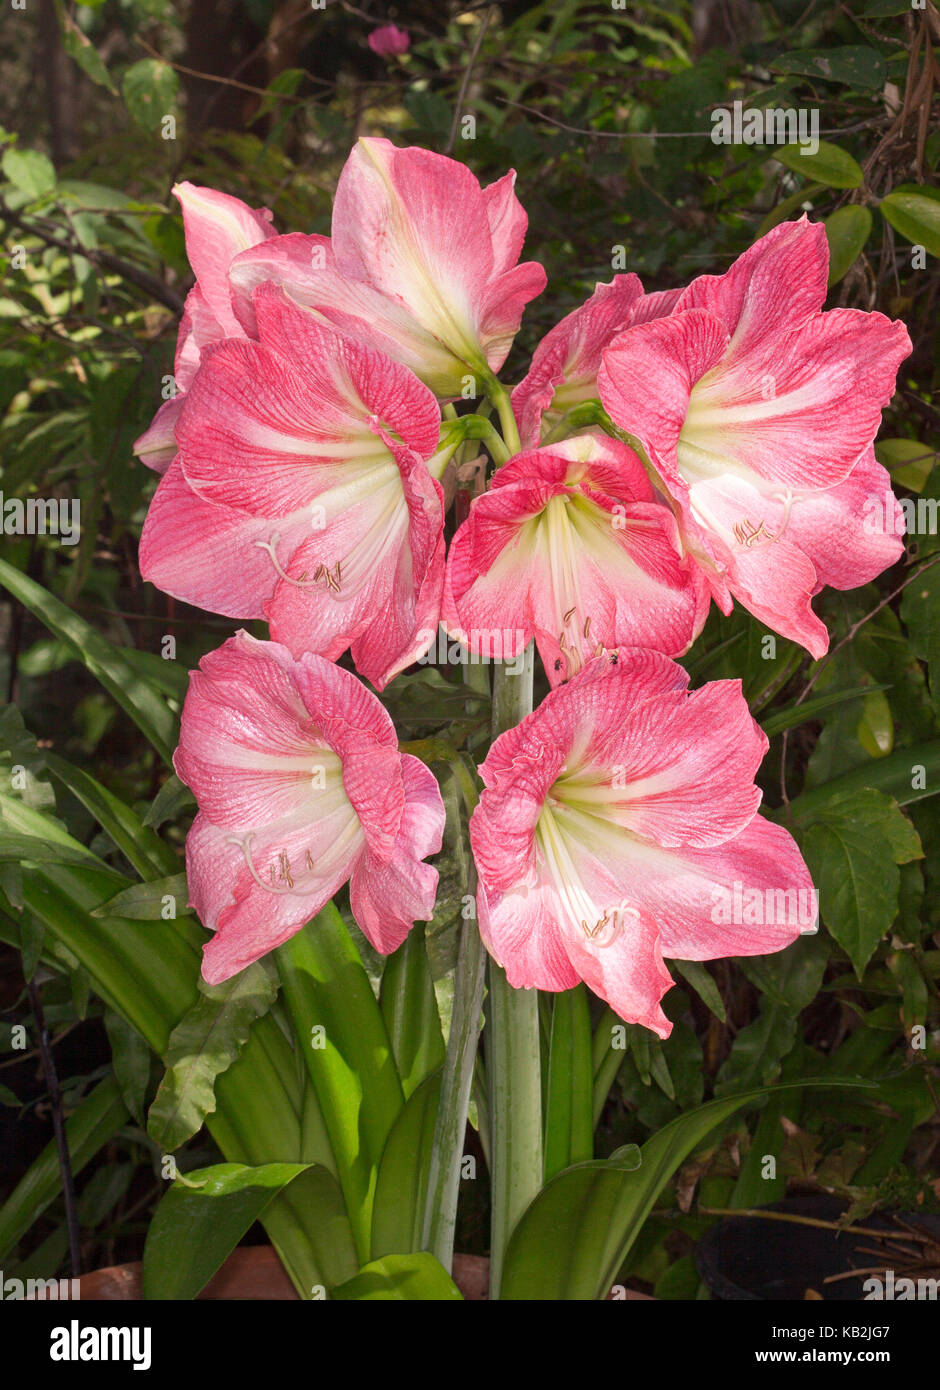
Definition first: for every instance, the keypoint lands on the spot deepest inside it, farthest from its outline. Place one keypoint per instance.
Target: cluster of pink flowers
(301, 461)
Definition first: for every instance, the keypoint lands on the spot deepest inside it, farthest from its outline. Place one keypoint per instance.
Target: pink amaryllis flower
(217, 228)
(751, 403)
(422, 265)
(571, 547)
(302, 494)
(564, 367)
(301, 788)
(619, 826)
(389, 41)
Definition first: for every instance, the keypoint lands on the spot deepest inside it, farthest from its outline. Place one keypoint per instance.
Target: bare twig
(103, 259)
(465, 81)
(58, 1126)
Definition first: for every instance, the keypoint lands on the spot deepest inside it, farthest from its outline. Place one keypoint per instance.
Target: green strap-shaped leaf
(794, 715)
(133, 693)
(907, 775)
(91, 1125)
(148, 975)
(204, 1215)
(30, 849)
(569, 1119)
(146, 902)
(203, 1044)
(150, 856)
(401, 1189)
(573, 1238)
(417, 1278)
(409, 1007)
(130, 1057)
(172, 798)
(348, 1056)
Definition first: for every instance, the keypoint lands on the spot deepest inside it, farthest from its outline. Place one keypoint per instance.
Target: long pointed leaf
(207, 1213)
(401, 1189)
(150, 856)
(409, 1008)
(91, 1125)
(107, 663)
(573, 1238)
(569, 1120)
(347, 1053)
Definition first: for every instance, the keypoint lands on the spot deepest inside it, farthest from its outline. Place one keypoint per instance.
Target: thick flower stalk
(301, 788)
(619, 827)
(571, 547)
(302, 494)
(752, 404)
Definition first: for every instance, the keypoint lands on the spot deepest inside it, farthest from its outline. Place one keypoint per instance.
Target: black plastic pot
(749, 1258)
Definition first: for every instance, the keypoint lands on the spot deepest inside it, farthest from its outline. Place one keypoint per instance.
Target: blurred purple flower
(389, 41)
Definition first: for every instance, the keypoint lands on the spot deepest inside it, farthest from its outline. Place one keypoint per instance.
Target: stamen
(321, 574)
(244, 844)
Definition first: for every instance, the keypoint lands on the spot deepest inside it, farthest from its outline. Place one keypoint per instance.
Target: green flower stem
(440, 1215)
(513, 1064)
(498, 394)
(478, 427)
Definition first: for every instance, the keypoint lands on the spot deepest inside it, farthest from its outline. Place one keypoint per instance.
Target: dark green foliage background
(568, 94)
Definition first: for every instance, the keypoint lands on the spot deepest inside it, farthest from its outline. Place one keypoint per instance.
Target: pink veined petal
(614, 873)
(606, 464)
(675, 352)
(630, 973)
(565, 718)
(802, 414)
(851, 532)
(252, 920)
(688, 889)
(763, 564)
(520, 933)
(296, 769)
(502, 308)
(361, 379)
(417, 227)
(199, 327)
(772, 288)
(268, 434)
(384, 563)
(217, 228)
(387, 899)
(361, 731)
(677, 770)
(541, 933)
(208, 554)
(507, 221)
(571, 351)
(414, 225)
(559, 550)
(248, 742)
(305, 268)
(780, 592)
(156, 447)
